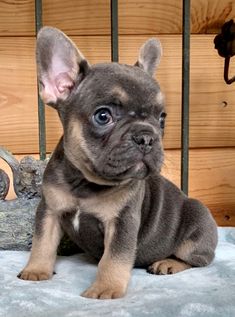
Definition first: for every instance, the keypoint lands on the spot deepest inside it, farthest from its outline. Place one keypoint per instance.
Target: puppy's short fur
(102, 184)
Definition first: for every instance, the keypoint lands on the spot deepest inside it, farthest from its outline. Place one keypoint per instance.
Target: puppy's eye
(162, 120)
(103, 116)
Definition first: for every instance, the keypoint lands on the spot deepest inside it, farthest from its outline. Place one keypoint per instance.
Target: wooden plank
(208, 16)
(212, 179)
(87, 17)
(165, 16)
(83, 17)
(212, 124)
(17, 18)
(18, 98)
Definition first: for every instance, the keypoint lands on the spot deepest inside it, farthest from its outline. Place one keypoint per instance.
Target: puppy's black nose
(144, 142)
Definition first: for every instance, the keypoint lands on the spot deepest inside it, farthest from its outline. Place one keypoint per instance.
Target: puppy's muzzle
(143, 136)
(144, 142)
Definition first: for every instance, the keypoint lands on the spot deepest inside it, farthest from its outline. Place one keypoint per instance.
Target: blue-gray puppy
(102, 185)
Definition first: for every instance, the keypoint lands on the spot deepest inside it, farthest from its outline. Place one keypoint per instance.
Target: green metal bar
(114, 30)
(41, 106)
(185, 97)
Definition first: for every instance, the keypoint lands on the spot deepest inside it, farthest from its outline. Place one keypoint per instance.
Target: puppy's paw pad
(167, 266)
(100, 292)
(34, 276)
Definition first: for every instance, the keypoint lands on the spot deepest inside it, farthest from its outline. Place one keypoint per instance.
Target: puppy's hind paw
(167, 266)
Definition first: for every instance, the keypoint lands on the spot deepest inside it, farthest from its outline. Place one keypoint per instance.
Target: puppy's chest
(104, 202)
(103, 207)
(93, 206)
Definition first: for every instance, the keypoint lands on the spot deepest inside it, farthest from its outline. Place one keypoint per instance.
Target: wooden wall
(212, 112)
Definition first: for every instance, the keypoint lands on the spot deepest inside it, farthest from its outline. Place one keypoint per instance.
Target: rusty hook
(225, 44)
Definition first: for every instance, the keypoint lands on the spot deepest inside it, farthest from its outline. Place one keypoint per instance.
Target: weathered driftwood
(17, 226)
(27, 174)
(17, 216)
(4, 184)
(16, 223)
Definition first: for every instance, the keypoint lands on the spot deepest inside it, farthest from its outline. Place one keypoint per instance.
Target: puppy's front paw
(167, 266)
(102, 291)
(33, 275)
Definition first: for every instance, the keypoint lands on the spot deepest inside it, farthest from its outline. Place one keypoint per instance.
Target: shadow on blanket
(196, 292)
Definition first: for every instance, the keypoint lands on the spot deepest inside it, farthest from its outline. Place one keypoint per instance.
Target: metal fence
(114, 54)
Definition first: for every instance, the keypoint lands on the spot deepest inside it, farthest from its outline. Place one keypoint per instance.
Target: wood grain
(83, 17)
(18, 95)
(87, 17)
(17, 18)
(211, 122)
(165, 16)
(211, 179)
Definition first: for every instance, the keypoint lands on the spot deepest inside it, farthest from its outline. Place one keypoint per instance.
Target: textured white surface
(198, 292)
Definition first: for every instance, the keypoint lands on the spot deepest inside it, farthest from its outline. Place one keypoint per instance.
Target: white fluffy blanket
(199, 292)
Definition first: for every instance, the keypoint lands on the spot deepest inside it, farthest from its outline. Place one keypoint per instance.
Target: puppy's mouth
(138, 171)
(132, 165)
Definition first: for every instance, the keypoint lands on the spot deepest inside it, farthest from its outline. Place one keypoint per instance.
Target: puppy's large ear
(59, 63)
(149, 56)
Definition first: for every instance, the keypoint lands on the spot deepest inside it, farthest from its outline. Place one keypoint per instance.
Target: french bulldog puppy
(102, 185)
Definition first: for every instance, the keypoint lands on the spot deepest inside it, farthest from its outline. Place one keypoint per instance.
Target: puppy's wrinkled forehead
(124, 85)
